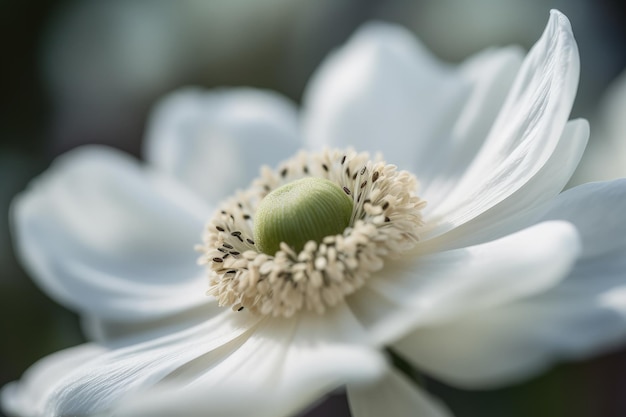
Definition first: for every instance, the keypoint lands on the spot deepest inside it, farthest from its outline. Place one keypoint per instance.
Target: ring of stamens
(385, 221)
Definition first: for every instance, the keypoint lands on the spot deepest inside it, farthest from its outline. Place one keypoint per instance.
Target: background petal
(606, 157)
(421, 290)
(583, 315)
(393, 396)
(597, 210)
(107, 237)
(215, 141)
(382, 91)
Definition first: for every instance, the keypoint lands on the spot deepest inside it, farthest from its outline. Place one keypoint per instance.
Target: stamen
(385, 222)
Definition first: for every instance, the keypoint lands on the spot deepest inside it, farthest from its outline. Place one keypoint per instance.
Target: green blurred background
(76, 72)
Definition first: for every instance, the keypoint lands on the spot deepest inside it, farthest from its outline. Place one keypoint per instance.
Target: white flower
(507, 276)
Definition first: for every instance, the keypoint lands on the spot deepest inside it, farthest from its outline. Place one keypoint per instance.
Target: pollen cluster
(385, 221)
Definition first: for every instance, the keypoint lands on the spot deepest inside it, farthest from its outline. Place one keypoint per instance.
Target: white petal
(285, 364)
(98, 384)
(595, 291)
(423, 290)
(606, 157)
(525, 133)
(298, 360)
(526, 205)
(583, 315)
(504, 345)
(483, 349)
(303, 379)
(108, 238)
(27, 396)
(597, 210)
(393, 396)
(215, 142)
(382, 91)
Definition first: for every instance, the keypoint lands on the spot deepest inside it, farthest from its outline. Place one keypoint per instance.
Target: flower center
(310, 233)
(302, 210)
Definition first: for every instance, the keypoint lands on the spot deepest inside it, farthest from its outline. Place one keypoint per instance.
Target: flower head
(498, 259)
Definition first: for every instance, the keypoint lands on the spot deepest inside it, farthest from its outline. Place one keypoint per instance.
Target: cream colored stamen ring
(385, 222)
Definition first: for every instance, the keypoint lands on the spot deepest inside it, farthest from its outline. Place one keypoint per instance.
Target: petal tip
(560, 28)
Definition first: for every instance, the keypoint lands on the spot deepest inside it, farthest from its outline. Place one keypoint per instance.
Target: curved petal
(583, 315)
(108, 238)
(215, 142)
(382, 91)
(295, 360)
(524, 207)
(425, 290)
(27, 396)
(393, 396)
(285, 366)
(97, 384)
(524, 135)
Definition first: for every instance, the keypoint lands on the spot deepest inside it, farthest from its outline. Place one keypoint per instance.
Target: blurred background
(76, 72)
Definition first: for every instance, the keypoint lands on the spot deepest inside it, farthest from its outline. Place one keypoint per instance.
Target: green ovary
(300, 211)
